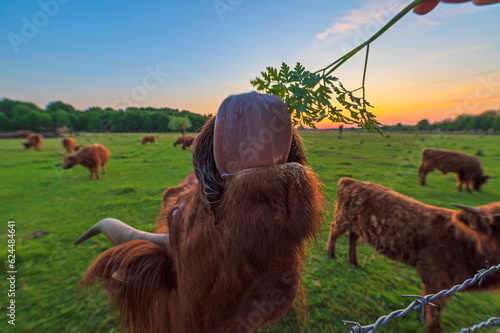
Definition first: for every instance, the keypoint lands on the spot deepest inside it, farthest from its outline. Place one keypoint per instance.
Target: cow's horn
(119, 233)
(60, 152)
(467, 208)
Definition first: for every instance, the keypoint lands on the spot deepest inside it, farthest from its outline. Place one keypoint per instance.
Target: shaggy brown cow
(92, 157)
(34, 140)
(147, 139)
(182, 141)
(445, 246)
(229, 241)
(70, 145)
(467, 168)
(188, 141)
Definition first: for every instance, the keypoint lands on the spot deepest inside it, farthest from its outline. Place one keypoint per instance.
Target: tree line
(16, 115)
(488, 121)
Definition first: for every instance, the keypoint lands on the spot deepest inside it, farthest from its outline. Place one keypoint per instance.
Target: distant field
(37, 194)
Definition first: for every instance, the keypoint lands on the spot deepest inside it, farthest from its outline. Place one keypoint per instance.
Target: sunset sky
(190, 54)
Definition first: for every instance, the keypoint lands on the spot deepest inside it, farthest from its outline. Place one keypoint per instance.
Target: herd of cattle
(185, 140)
(227, 250)
(94, 156)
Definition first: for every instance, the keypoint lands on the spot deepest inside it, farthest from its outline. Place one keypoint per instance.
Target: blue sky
(103, 53)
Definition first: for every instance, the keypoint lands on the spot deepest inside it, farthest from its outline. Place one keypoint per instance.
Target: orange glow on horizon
(391, 114)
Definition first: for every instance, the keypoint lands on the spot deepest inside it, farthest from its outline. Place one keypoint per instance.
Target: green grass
(39, 195)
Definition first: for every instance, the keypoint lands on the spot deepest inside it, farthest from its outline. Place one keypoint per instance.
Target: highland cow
(467, 168)
(180, 141)
(70, 145)
(445, 246)
(227, 251)
(147, 139)
(34, 140)
(188, 141)
(92, 157)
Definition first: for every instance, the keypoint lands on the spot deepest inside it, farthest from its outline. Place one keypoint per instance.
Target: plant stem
(364, 74)
(337, 63)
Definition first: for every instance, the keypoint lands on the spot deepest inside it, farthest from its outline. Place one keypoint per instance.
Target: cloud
(372, 13)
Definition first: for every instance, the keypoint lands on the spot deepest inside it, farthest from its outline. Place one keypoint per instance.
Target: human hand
(428, 5)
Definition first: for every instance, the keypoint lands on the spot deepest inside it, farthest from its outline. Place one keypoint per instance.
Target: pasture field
(37, 194)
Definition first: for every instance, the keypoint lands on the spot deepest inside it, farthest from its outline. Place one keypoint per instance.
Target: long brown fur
(35, 140)
(92, 157)
(147, 139)
(234, 259)
(445, 246)
(70, 145)
(466, 167)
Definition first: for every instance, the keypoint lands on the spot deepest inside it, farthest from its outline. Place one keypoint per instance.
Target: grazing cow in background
(92, 157)
(445, 246)
(147, 139)
(35, 140)
(228, 247)
(70, 145)
(467, 168)
(188, 141)
(180, 140)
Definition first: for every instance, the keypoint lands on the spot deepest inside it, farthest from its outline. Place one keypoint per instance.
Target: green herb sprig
(309, 95)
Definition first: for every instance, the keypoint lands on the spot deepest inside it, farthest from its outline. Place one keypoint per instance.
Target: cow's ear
(474, 220)
(204, 165)
(485, 179)
(138, 275)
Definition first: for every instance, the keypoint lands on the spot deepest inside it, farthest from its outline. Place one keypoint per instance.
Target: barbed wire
(493, 321)
(422, 301)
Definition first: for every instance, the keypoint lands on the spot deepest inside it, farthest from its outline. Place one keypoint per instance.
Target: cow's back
(449, 161)
(93, 155)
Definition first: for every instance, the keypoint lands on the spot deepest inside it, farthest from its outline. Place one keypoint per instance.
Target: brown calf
(34, 140)
(147, 139)
(70, 145)
(445, 246)
(226, 255)
(467, 168)
(92, 157)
